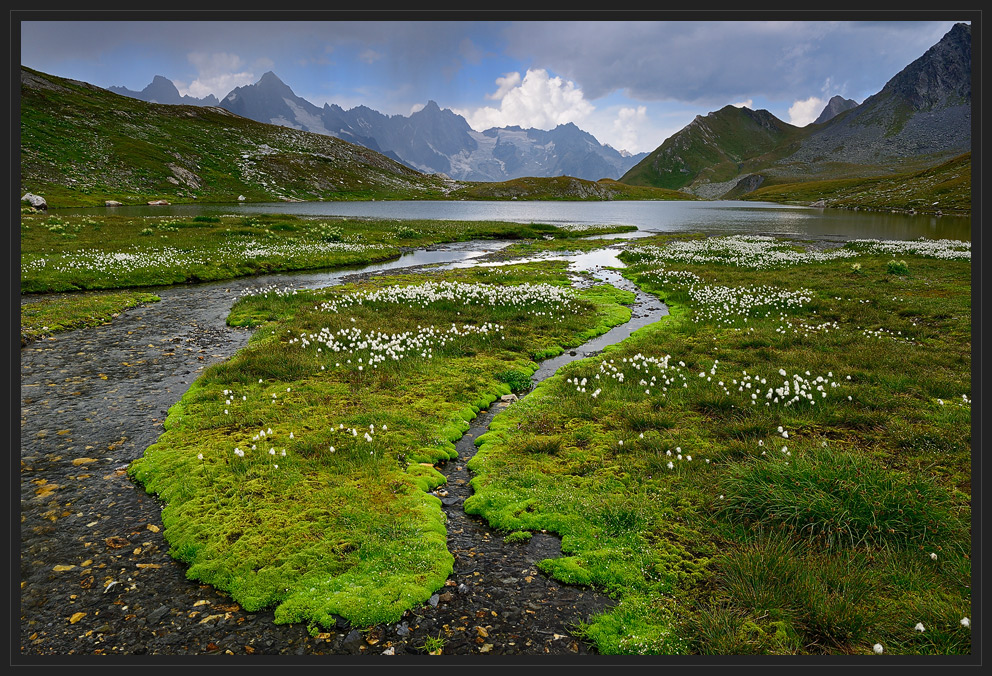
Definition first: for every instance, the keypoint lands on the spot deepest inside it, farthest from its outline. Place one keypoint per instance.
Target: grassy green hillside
(82, 145)
(945, 188)
(565, 188)
(725, 144)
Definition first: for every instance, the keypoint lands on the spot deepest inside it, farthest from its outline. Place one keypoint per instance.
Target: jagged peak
(269, 76)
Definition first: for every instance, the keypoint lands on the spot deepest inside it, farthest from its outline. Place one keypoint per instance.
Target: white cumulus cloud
(626, 127)
(803, 112)
(538, 100)
(505, 84)
(748, 103)
(217, 73)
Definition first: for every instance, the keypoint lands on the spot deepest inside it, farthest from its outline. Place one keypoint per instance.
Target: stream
(95, 572)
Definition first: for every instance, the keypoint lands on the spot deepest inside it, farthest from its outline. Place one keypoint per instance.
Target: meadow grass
(62, 252)
(782, 465)
(296, 474)
(58, 314)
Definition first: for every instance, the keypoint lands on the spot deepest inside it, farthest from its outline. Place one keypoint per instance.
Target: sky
(631, 84)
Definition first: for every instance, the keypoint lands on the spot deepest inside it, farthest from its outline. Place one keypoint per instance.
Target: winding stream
(96, 575)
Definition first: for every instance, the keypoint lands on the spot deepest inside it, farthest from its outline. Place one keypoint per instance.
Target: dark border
(710, 663)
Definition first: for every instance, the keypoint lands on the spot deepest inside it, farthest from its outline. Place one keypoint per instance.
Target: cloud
(505, 84)
(626, 127)
(803, 112)
(370, 56)
(217, 73)
(747, 103)
(707, 63)
(538, 101)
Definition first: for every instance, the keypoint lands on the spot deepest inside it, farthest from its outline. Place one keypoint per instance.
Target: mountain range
(430, 140)
(920, 118)
(908, 146)
(81, 145)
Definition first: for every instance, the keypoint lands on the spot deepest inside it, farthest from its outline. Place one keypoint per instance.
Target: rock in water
(112, 203)
(37, 201)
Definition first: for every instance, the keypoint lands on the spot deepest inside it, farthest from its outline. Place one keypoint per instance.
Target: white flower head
(965, 622)
(919, 627)
(878, 648)
(933, 555)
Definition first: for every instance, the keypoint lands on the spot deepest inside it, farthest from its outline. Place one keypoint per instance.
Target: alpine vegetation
(759, 472)
(300, 474)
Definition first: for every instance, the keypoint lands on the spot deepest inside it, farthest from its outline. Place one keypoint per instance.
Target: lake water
(718, 217)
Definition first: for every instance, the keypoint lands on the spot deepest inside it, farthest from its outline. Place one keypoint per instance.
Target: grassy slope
(734, 551)
(715, 148)
(945, 187)
(81, 145)
(343, 526)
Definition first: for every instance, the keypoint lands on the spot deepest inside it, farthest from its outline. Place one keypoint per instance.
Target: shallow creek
(96, 576)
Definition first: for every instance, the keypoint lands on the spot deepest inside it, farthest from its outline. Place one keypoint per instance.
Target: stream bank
(96, 576)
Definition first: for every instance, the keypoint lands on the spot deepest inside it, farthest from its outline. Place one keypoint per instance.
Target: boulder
(156, 203)
(241, 198)
(819, 204)
(113, 203)
(37, 201)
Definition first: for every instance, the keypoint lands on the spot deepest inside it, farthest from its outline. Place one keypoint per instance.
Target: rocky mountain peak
(835, 106)
(941, 77)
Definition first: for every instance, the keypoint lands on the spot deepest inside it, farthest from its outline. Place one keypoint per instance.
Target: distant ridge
(920, 118)
(431, 140)
(162, 90)
(133, 151)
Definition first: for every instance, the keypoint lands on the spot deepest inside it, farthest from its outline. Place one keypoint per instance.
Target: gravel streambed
(95, 573)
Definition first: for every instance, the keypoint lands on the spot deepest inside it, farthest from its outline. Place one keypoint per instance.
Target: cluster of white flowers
(385, 347)
(726, 304)
(658, 374)
(887, 333)
(530, 296)
(931, 248)
(121, 263)
(805, 329)
(668, 374)
(274, 289)
(756, 252)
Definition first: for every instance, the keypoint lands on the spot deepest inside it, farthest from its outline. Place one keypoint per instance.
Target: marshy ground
(783, 466)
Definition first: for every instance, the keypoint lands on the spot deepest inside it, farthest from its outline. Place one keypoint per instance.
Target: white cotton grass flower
(878, 648)
(933, 555)
(965, 622)
(199, 456)
(919, 627)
